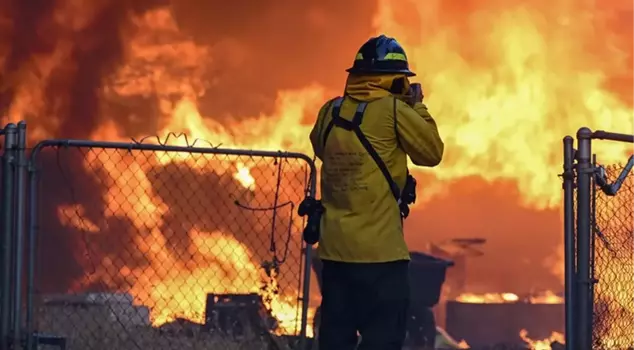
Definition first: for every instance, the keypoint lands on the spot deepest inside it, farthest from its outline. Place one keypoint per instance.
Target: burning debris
(546, 297)
(507, 319)
(555, 341)
(238, 315)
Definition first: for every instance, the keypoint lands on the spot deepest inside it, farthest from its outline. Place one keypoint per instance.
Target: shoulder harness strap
(355, 126)
(398, 139)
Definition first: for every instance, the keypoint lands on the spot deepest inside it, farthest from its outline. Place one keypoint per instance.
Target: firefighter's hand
(415, 94)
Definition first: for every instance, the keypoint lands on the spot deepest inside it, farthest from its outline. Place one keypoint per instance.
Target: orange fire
(244, 176)
(507, 81)
(487, 298)
(544, 344)
(188, 288)
(178, 287)
(614, 267)
(181, 292)
(547, 297)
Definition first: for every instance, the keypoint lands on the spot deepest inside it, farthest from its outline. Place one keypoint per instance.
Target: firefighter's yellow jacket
(362, 222)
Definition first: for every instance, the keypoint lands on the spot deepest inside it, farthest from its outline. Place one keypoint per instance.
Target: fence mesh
(166, 250)
(614, 266)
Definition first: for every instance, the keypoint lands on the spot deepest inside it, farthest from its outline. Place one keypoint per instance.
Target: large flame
(174, 286)
(507, 80)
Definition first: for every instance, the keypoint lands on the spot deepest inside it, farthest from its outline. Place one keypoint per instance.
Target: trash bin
(427, 275)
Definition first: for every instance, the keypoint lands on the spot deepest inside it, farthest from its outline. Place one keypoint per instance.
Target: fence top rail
(135, 146)
(612, 136)
(138, 146)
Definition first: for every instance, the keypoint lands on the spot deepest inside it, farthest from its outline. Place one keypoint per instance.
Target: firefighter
(363, 140)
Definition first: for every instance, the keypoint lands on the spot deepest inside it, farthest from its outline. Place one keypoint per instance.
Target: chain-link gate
(152, 246)
(599, 243)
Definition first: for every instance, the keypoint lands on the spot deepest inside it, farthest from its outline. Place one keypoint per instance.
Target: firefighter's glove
(415, 94)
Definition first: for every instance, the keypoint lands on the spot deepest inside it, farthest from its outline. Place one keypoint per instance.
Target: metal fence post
(19, 231)
(308, 249)
(10, 138)
(31, 251)
(584, 239)
(305, 298)
(569, 241)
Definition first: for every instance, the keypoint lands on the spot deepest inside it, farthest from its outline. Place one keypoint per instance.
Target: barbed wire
(165, 141)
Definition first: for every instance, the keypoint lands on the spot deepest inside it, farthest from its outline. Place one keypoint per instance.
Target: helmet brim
(357, 71)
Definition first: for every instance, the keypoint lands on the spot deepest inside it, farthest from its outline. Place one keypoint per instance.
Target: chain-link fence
(614, 262)
(599, 244)
(141, 249)
(151, 246)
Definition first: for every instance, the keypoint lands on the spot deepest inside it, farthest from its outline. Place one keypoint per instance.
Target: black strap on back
(355, 125)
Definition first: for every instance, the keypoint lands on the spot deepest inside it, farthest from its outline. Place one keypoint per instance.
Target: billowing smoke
(68, 51)
(91, 36)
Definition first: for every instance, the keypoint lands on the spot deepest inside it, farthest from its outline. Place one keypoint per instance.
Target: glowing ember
(487, 298)
(463, 345)
(501, 298)
(544, 344)
(546, 298)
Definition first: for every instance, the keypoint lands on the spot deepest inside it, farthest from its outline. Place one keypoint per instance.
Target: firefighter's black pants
(371, 298)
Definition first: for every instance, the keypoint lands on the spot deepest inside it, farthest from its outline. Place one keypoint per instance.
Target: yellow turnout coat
(362, 222)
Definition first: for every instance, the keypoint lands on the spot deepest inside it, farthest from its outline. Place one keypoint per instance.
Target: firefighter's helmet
(381, 55)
